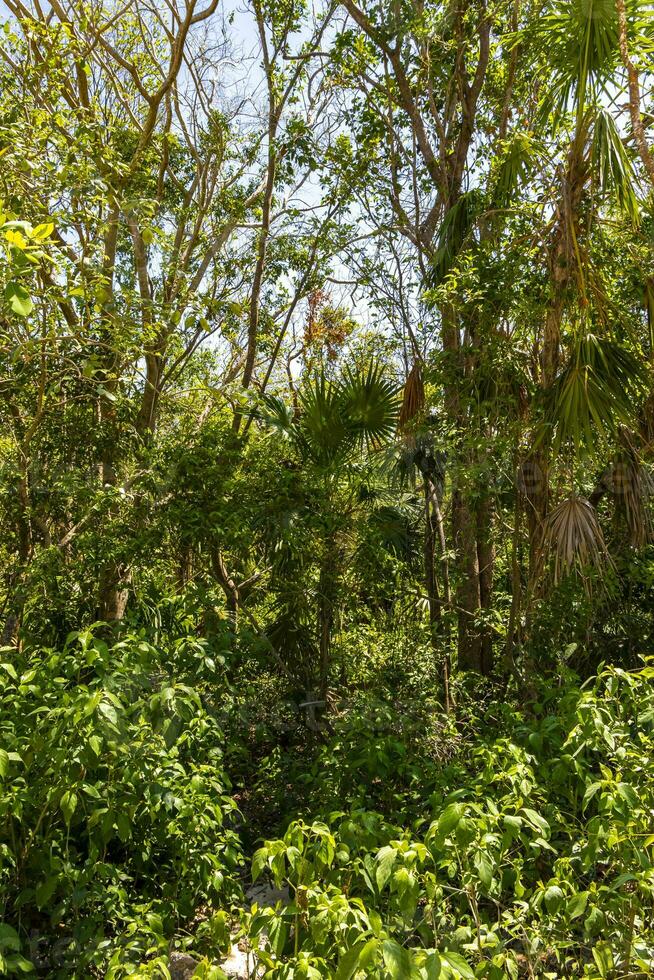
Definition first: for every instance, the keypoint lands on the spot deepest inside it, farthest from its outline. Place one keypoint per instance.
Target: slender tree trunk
(486, 561)
(227, 583)
(433, 517)
(444, 563)
(429, 554)
(464, 524)
(468, 593)
(634, 93)
(327, 590)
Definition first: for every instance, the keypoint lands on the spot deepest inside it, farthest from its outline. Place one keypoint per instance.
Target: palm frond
(595, 392)
(276, 415)
(519, 154)
(368, 402)
(612, 164)
(413, 396)
(455, 229)
(574, 537)
(322, 430)
(579, 41)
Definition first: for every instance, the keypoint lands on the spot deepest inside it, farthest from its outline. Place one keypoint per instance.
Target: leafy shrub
(532, 856)
(115, 817)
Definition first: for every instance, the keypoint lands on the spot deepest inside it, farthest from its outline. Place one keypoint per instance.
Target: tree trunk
(486, 561)
(227, 583)
(433, 514)
(113, 592)
(326, 589)
(468, 593)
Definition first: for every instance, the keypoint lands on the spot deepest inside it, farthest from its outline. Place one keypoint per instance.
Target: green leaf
(386, 858)
(628, 794)
(603, 959)
(554, 899)
(278, 934)
(450, 818)
(124, 827)
(432, 966)
(8, 937)
(484, 867)
(458, 964)
(43, 231)
(259, 861)
(590, 793)
(18, 298)
(594, 922)
(537, 821)
(68, 805)
(45, 891)
(397, 960)
(577, 905)
(356, 958)
(4, 763)
(108, 711)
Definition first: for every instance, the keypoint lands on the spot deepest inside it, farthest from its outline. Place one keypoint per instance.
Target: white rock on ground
(240, 964)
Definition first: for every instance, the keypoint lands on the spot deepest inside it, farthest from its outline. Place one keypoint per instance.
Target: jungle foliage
(326, 542)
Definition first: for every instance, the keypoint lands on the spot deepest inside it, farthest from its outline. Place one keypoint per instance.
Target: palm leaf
(369, 404)
(612, 164)
(454, 231)
(574, 536)
(322, 432)
(595, 392)
(579, 42)
(519, 154)
(276, 414)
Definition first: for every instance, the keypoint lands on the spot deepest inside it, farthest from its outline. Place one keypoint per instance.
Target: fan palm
(575, 537)
(595, 392)
(578, 46)
(337, 417)
(338, 427)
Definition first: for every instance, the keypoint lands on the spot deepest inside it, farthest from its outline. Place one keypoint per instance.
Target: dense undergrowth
(139, 782)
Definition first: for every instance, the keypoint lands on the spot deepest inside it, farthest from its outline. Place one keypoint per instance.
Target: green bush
(116, 820)
(532, 854)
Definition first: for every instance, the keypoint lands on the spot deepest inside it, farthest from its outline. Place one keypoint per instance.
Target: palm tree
(337, 427)
(587, 378)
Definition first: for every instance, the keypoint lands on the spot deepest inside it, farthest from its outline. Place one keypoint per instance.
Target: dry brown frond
(574, 536)
(413, 400)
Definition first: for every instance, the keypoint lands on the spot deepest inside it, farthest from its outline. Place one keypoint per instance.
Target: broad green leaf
(45, 891)
(577, 905)
(397, 960)
(386, 858)
(18, 298)
(9, 938)
(449, 818)
(458, 964)
(554, 899)
(68, 805)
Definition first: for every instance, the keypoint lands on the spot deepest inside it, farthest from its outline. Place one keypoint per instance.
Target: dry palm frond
(413, 400)
(574, 535)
